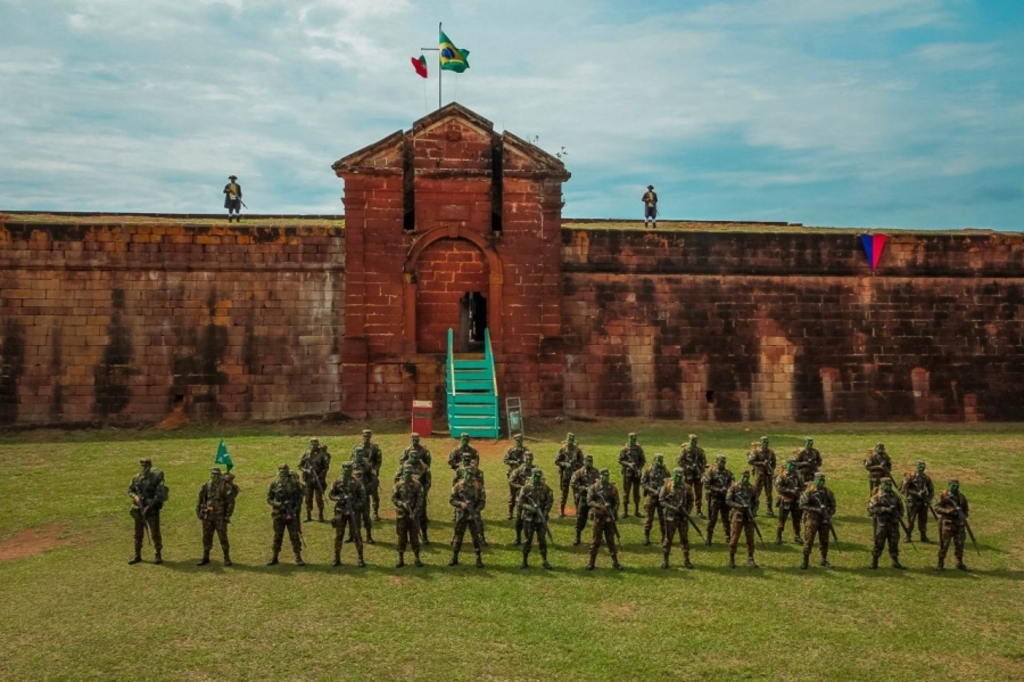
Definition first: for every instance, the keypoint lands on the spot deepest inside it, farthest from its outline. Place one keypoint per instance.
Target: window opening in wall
(709, 396)
(472, 322)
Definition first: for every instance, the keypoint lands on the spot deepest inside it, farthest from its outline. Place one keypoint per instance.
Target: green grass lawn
(77, 611)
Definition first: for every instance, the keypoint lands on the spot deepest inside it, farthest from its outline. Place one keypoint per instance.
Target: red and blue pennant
(873, 246)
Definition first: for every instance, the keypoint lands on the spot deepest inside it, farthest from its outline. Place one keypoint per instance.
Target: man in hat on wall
(650, 199)
(233, 198)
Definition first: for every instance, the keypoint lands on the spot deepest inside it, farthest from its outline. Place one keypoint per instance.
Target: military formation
(796, 494)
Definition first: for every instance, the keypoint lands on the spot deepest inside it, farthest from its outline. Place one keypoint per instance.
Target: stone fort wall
(128, 322)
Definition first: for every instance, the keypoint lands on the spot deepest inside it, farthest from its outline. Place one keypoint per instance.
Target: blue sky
(867, 113)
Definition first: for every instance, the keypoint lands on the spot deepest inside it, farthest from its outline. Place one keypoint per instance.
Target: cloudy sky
(864, 113)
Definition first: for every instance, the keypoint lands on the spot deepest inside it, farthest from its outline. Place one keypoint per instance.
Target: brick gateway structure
(127, 320)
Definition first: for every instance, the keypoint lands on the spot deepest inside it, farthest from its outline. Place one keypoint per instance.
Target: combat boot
(778, 538)
(369, 539)
(524, 564)
(907, 538)
(376, 513)
(577, 540)
(359, 562)
(896, 564)
(454, 561)
(590, 565)
(615, 562)
(273, 560)
(519, 537)
(732, 560)
(426, 540)
(961, 566)
(924, 538)
(337, 558)
(417, 563)
(509, 518)
(647, 538)
(136, 559)
(401, 560)
(321, 517)
(157, 559)
(636, 511)
(770, 514)
(751, 563)
(206, 558)
(686, 560)
(941, 565)
(874, 561)
(227, 559)
(309, 515)
(806, 563)
(707, 540)
(664, 560)
(479, 560)
(798, 540)
(544, 561)
(825, 563)
(298, 559)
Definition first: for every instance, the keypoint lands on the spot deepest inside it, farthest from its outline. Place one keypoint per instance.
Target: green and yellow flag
(452, 58)
(222, 456)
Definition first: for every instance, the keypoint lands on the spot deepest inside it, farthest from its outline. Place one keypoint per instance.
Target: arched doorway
(452, 289)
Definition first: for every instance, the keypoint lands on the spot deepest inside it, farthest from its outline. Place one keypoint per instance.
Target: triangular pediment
(520, 155)
(381, 155)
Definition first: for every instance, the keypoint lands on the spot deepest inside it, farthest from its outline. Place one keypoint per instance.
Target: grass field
(71, 608)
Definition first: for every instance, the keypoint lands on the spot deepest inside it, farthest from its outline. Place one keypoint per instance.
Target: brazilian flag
(222, 456)
(452, 58)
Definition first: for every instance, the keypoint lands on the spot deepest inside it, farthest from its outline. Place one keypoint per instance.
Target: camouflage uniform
(314, 465)
(148, 493)
(409, 498)
(694, 462)
(819, 506)
(455, 456)
(886, 510)
(362, 471)
(761, 459)
(632, 462)
(603, 501)
(918, 490)
(717, 480)
(878, 465)
(740, 499)
(535, 500)
(514, 457)
(581, 480)
(285, 497)
(349, 498)
(422, 452)
(468, 499)
(568, 461)
(953, 511)
(376, 459)
(518, 478)
(421, 471)
(808, 461)
(788, 488)
(675, 501)
(215, 506)
(651, 481)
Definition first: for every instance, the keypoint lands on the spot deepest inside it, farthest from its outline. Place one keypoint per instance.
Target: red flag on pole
(420, 65)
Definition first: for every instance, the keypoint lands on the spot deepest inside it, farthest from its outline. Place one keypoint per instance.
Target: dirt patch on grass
(31, 542)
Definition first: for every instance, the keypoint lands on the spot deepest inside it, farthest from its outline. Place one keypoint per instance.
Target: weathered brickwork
(129, 322)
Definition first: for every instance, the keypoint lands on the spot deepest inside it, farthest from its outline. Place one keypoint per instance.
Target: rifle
(474, 516)
(747, 510)
(899, 517)
(308, 469)
(145, 524)
(823, 510)
(615, 525)
(543, 518)
(962, 518)
(288, 514)
(681, 508)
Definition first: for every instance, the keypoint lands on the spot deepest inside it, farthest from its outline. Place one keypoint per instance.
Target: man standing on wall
(650, 199)
(233, 198)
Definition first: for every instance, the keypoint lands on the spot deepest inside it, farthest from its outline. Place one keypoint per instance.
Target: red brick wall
(445, 271)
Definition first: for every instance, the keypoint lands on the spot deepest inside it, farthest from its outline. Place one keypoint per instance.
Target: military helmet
(215, 470)
(145, 460)
(282, 467)
(920, 464)
(658, 457)
(678, 471)
(415, 435)
(604, 471)
(954, 481)
(314, 439)
(719, 458)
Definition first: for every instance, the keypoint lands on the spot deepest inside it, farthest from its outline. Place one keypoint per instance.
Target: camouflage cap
(692, 436)
(678, 471)
(764, 438)
(719, 457)
(282, 467)
(463, 435)
(517, 436)
(415, 435)
(215, 470)
(314, 439)
(745, 473)
(588, 458)
(954, 481)
(367, 432)
(570, 436)
(920, 464)
(145, 460)
(658, 456)
(632, 434)
(808, 438)
(604, 471)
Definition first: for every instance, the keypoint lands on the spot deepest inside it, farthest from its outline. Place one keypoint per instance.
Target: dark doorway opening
(472, 322)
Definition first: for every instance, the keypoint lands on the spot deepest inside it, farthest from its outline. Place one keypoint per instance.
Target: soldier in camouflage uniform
(314, 465)
(376, 460)
(421, 473)
(471, 466)
(468, 499)
(761, 458)
(717, 480)
(349, 497)
(215, 506)
(285, 498)
(419, 449)
(581, 480)
(535, 501)
(148, 494)
(740, 500)
(651, 481)
(953, 510)
(878, 465)
(568, 461)
(632, 463)
(456, 455)
(788, 488)
(694, 462)
(676, 499)
(362, 471)
(408, 498)
(886, 510)
(808, 461)
(603, 503)
(514, 457)
(819, 506)
(517, 478)
(918, 490)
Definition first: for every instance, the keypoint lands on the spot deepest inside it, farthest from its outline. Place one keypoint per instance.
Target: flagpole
(440, 71)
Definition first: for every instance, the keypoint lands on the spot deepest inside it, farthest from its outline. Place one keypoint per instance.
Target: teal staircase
(472, 392)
